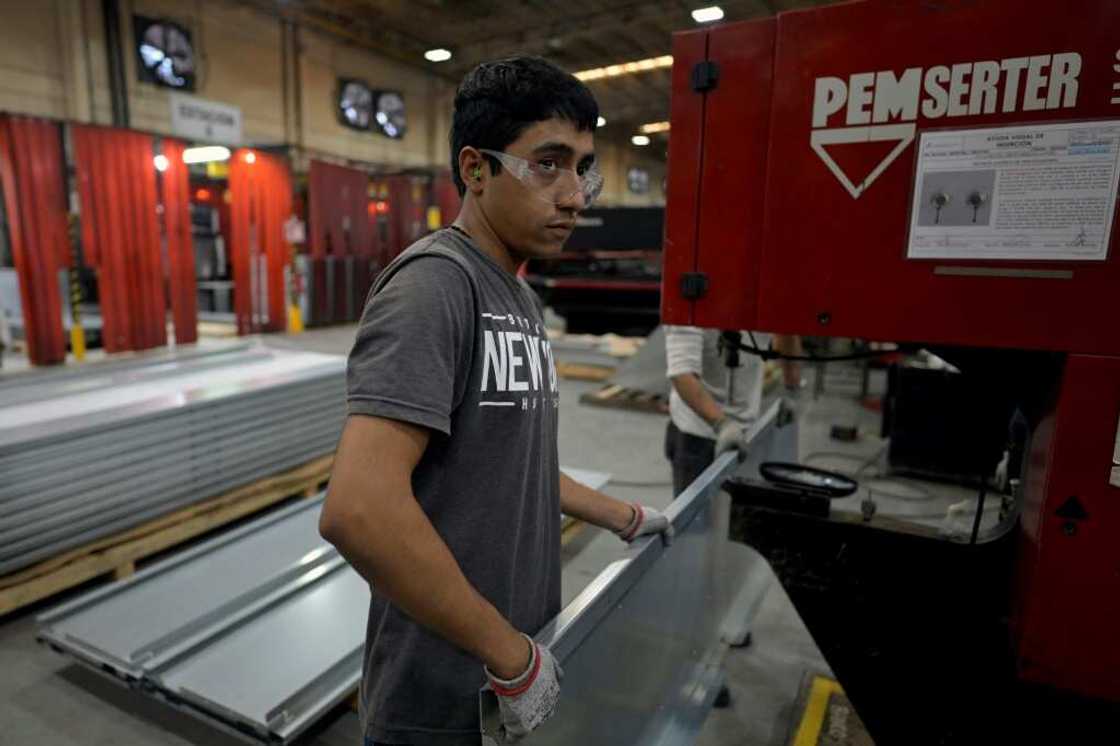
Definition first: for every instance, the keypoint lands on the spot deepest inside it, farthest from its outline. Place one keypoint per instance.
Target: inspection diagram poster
(1039, 192)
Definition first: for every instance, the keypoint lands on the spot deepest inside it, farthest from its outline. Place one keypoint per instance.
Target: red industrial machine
(941, 173)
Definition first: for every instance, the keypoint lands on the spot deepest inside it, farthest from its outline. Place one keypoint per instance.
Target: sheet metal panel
(202, 630)
(641, 646)
(127, 625)
(61, 415)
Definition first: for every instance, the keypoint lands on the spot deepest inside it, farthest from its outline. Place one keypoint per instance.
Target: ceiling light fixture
(708, 15)
(437, 55)
(206, 154)
(653, 128)
(601, 122)
(625, 68)
(640, 140)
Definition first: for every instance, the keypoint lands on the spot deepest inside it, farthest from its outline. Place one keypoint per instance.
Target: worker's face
(532, 206)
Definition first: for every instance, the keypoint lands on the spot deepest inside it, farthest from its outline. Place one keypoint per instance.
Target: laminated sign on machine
(1035, 192)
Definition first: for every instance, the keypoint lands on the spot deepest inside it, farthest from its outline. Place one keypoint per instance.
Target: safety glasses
(549, 182)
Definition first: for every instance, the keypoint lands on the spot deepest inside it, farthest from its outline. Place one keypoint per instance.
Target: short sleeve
(413, 353)
(684, 350)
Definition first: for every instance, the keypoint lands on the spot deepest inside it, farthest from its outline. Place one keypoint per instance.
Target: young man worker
(447, 494)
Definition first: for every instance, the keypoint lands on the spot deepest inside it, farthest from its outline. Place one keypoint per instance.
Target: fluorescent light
(626, 68)
(161, 163)
(653, 128)
(601, 122)
(640, 139)
(437, 55)
(707, 15)
(206, 154)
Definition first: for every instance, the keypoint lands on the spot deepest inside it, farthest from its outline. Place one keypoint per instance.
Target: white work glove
(528, 700)
(730, 436)
(646, 520)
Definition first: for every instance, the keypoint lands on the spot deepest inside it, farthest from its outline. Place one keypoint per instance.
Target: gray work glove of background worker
(528, 700)
(730, 435)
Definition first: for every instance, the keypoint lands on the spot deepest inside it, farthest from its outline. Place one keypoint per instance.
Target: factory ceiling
(575, 34)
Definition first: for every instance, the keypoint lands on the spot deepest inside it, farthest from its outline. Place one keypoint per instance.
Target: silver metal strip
(641, 645)
(1013, 272)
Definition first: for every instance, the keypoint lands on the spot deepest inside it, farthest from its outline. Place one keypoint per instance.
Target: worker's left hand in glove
(528, 700)
(646, 520)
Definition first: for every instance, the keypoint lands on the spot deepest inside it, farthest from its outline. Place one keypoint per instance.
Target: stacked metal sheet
(90, 454)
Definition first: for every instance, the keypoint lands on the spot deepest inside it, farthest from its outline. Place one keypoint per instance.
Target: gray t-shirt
(451, 341)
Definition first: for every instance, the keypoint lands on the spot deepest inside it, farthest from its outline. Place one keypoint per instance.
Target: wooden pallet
(117, 555)
(619, 397)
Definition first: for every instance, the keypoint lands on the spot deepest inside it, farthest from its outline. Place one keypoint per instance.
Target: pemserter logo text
(884, 107)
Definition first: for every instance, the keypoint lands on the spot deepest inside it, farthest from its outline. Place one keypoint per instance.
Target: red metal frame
(120, 234)
(261, 191)
(31, 171)
(1068, 591)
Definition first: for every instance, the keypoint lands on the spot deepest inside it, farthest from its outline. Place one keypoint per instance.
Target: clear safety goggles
(551, 183)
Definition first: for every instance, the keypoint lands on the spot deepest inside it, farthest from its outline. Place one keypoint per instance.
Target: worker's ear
(471, 169)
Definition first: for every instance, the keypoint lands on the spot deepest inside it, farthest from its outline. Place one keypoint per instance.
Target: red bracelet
(503, 691)
(639, 516)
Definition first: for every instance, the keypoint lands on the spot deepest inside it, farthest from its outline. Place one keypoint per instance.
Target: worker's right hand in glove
(730, 436)
(528, 700)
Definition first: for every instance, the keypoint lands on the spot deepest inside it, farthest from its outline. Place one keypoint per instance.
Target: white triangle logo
(818, 139)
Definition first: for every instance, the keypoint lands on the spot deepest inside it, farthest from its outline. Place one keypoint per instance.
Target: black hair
(498, 100)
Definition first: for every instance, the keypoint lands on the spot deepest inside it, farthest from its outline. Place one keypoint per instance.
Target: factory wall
(53, 63)
(41, 71)
(616, 159)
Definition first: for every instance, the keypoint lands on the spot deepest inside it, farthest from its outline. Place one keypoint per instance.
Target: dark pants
(689, 454)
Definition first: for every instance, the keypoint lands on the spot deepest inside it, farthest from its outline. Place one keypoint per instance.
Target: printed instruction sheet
(1040, 192)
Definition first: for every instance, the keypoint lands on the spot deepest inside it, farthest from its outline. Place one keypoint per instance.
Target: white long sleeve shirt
(691, 349)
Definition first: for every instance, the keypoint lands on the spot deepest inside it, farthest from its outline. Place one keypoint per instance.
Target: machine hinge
(694, 285)
(705, 76)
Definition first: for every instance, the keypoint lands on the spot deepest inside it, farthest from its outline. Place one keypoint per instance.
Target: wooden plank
(127, 570)
(570, 529)
(582, 372)
(116, 554)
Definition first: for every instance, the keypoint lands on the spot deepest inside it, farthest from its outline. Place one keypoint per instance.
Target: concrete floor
(44, 699)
